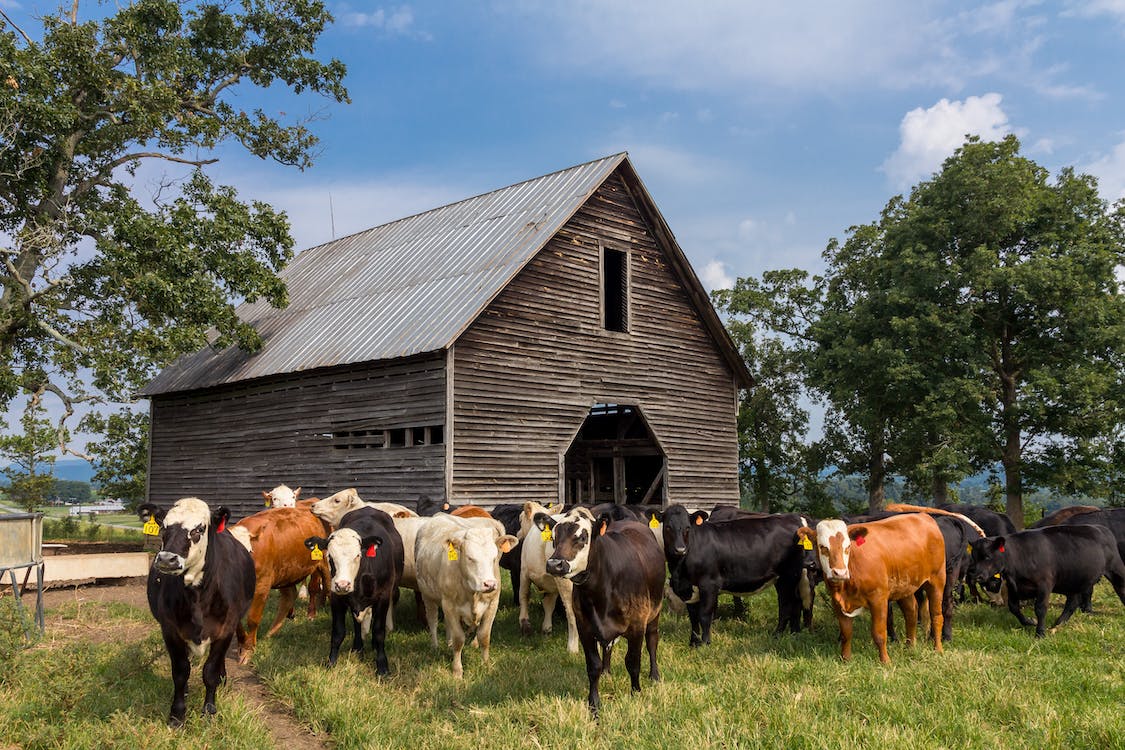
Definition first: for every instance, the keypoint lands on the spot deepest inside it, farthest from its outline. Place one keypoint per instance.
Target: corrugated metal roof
(403, 288)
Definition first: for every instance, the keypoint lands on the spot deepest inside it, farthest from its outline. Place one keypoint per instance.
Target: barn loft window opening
(615, 290)
(397, 437)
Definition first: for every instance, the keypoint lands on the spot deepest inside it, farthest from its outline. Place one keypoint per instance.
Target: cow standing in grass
(199, 588)
(618, 574)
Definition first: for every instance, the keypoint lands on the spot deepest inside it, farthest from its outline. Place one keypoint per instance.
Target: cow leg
(1086, 600)
(549, 600)
(1072, 603)
(891, 635)
(318, 590)
(484, 629)
(739, 607)
(181, 670)
(879, 627)
(214, 670)
(708, 602)
(430, 617)
(590, 648)
(522, 598)
(379, 631)
(420, 608)
(652, 638)
(947, 607)
(1041, 601)
(935, 590)
(339, 627)
(693, 616)
(845, 623)
(909, 606)
(1116, 576)
(807, 595)
(455, 634)
(566, 593)
(633, 661)
(788, 610)
(1014, 607)
(287, 596)
(253, 619)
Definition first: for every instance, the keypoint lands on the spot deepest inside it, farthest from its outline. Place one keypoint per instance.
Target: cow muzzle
(169, 563)
(557, 567)
(341, 586)
(837, 574)
(488, 586)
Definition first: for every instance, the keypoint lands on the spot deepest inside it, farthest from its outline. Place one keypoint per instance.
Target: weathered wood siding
(530, 367)
(228, 444)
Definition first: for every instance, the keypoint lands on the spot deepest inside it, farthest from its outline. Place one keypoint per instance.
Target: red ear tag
(860, 540)
(1001, 548)
(371, 551)
(222, 526)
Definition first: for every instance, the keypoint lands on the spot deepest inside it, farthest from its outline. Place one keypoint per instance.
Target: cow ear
(313, 542)
(148, 510)
(369, 544)
(268, 498)
(296, 493)
(698, 517)
(998, 544)
(602, 524)
(805, 537)
(506, 543)
(219, 518)
(651, 513)
(858, 534)
(543, 521)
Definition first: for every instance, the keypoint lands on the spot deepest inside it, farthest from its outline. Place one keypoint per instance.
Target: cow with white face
(617, 570)
(457, 562)
(833, 549)
(536, 547)
(365, 561)
(281, 497)
(199, 588)
(333, 508)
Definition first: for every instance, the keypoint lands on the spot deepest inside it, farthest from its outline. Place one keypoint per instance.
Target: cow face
(334, 507)
(184, 539)
(476, 552)
(573, 536)
(986, 563)
(281, 497)
(678, 524)
(345, 551)
(834, 542)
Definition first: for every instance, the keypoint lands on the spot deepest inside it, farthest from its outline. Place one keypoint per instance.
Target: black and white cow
(1036, 563)
(199, 588)
(742, 555)
(618, 576)
(365, 561)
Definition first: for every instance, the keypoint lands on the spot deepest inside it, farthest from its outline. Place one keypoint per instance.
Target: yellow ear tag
(969, 549)
(267, 502)
(547, 535)
(151, 527)
(997, 575)
(452, 552)
(806, 543)
(317, 553)
(653, 523)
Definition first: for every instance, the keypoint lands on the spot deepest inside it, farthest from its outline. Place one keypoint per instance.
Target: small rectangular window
(396, 438)
(437, 434)
(615, 289)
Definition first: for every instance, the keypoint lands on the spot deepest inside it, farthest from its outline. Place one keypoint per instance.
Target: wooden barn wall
(529, 369)
(229, 444)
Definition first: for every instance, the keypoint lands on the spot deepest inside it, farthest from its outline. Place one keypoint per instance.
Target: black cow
(199, 588)
(993, 523)
(740, 556)
(1036, 563)
(1065, 515)
(365, 559)
(511, 561)
(1111, 518)
(618, 576)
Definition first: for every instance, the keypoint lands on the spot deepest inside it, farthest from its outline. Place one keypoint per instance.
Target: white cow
(281, 497)
(537, 546)
(334, 507)
(457, 563)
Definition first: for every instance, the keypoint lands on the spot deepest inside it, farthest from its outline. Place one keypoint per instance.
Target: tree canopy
(102, 284)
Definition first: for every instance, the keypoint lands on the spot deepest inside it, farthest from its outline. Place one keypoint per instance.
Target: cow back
(277, 544)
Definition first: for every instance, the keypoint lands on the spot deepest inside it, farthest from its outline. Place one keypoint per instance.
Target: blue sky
(762, 129)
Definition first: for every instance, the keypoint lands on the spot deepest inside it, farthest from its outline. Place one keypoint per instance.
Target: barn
(544, 341)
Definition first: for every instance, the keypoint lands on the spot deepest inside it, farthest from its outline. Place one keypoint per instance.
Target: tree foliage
(29, 459)
(101, 284)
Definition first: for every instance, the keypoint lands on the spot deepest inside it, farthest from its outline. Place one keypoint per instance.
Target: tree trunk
(762, 487)
(941, 488)
(1013, 478)
(876, 475)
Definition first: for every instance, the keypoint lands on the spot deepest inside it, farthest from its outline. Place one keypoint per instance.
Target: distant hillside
(73, 469)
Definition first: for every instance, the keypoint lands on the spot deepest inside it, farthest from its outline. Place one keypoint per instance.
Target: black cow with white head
(618, 574)
(199, 588)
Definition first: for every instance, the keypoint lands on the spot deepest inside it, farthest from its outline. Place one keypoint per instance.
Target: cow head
(345, 551)
(810, 560)
(574, 534)
(834, 543)
(531, 509)
(678, 524)
(987, 558)
(186, 530)
(334, 507)
(281, 497)
(476, 551)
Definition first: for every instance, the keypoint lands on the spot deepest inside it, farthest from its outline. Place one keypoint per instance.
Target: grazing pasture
(100, 679)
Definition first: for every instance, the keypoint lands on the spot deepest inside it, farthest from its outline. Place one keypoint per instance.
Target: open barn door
(615, 458)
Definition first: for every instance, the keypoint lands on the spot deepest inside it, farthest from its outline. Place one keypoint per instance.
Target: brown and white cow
(618, 574)
(200, 585)
(281, 497)
(276, 540)
(536, 546)
(457, 562)
(868, 565)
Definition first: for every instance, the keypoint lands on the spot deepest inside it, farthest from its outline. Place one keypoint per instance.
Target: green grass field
(996, 686)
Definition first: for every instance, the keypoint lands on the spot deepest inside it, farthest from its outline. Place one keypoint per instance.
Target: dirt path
(284, 728)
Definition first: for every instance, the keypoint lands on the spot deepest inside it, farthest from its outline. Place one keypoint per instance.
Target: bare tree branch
(87, 184)
(13, 24)
(68, 404)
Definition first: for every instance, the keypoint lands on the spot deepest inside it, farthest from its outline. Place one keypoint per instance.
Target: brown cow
(470, 511)
(276, 539)
(868, 565)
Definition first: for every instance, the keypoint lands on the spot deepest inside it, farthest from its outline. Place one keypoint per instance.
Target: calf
(365, 559)
(618, 576)
(200, 586)
(536, 547)
(1036, 563)
(457, 561)
(866, 566)
(740, 556)
(281, 497)
(276, 540)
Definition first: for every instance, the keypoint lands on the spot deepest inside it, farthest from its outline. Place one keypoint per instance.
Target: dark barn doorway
(615, 458)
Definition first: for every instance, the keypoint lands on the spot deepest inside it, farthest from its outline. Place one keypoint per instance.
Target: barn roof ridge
(415, 284)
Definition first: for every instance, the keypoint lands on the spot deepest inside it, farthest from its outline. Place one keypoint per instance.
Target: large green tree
(101, 283)
(29, 459)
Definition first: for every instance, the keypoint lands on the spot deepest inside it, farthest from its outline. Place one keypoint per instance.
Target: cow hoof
(547, 631)
(175, 722)
(209, 710)
(525, 627)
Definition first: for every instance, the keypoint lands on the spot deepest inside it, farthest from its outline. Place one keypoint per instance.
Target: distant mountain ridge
(73, 469)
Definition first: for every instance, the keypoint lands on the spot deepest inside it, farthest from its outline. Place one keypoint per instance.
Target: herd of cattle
(611, 567)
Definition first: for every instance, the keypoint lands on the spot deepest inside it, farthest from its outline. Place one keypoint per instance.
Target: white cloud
(1095, 8)
(931, 135)
(398, 20)
(1110, 171)
(716, 275)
